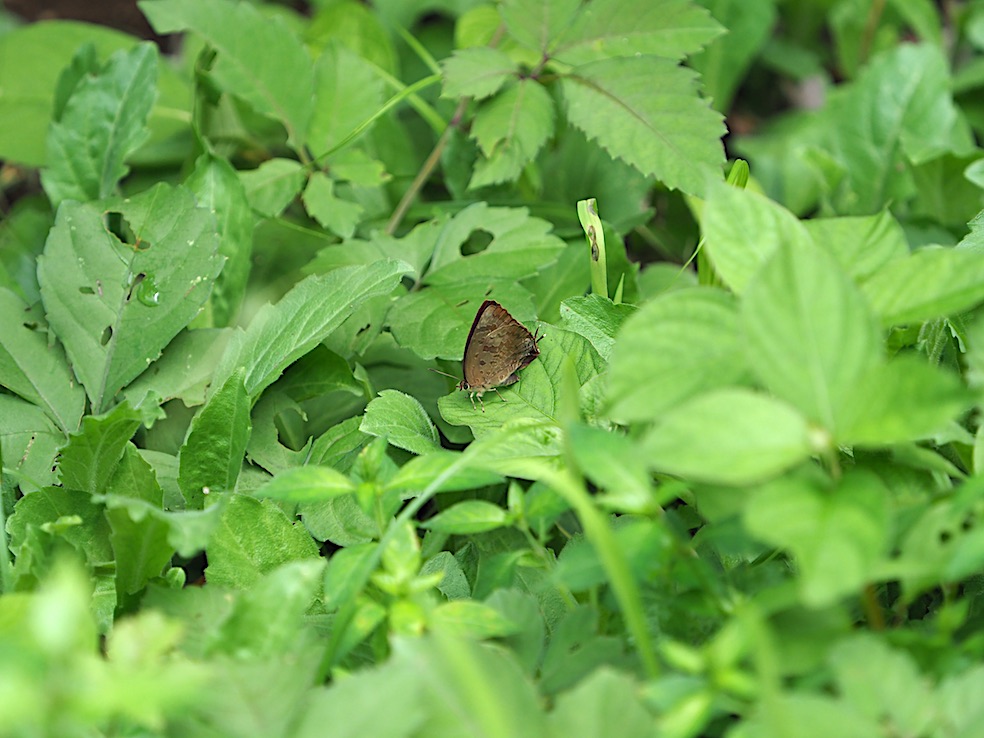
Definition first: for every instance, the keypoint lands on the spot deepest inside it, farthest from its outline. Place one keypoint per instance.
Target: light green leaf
(863, 245)
(282, 333)
(810, 335)
(402, 421)
(29, 441)
(601, 700)
(511, 128)
(421, 471)
(646, 111)
(837, 535)
(306, 484)
(596, 318)
(103, 123)
(900, 109)
(676, 346)
(348, 91)
(332, 212)
(184, 370)
(906, 399)
(630, 28)
(34, 370)
(931, 283)
(213, 451)
(743, 230)
(470, 619)
(218, 188)
(259, 57)
(536, 24)
(470, 516)
(273, 185)
(116, 305)
(43, 509)
(477, 72)
(728, 436)
(253, 538)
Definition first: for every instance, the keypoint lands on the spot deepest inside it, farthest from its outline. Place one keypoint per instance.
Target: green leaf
(470, 516)
(906, 399)
(85, 526)
(596, 318)
(612, 463)
(443, 465)
(864, 245)
(674, 347)
(510, 129)
(837, 535)
(279, 82)
(273, 185)
(402, 421)
(337, 215)
(647, 112)
(348, 91)
(536, 25)
(282, 333)
(603, 699)
(743, 230)
(217, 188)
(477, 72)
(728, 436)
(104, 121)
(900, 109)
(252, 539)
(34, 370)
(140, 542)
(29, 442)
(810, 335)
(630, 28)
(306, 484)
(213, 451)
(469, 619)
(92, 453)
(116, 305)
(931, 283)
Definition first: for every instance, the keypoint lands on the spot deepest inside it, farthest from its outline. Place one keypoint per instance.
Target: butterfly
(498, 346)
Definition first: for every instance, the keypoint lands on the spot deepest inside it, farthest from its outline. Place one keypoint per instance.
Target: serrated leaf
(213, 451)
(646, 111)
(104, 121)
(676, 346)
(116, 305)
(279, 82)
(282, 333)
(810, 334)
(253, 538)
(477, 72)
(89, 533)
(625, 28)
(306, 484)
(348, 91)
(92, 454)
(337, 215)
(728, 436)
(402, 421)
(863, 245)
(34, 370)
(537, 23)
(273, 185)
(511, 129)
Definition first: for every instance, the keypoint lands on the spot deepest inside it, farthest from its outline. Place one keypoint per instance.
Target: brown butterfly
(498, 346)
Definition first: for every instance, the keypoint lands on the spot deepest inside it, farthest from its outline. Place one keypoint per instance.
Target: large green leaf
(116, 305)
(646, 111)
(259, 58)
(103, 122)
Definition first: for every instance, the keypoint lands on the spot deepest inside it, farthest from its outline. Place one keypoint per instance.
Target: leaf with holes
(115, 305)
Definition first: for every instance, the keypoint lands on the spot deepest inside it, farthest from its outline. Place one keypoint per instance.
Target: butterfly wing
(498, 346)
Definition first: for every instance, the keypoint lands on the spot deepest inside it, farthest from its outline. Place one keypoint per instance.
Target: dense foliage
(735, 495)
